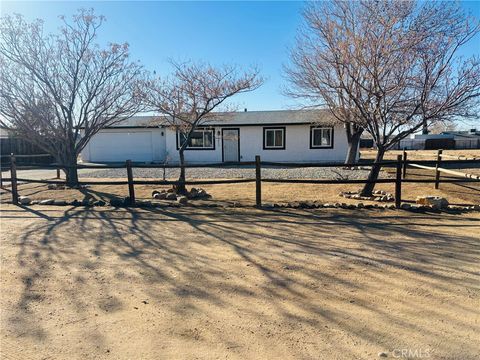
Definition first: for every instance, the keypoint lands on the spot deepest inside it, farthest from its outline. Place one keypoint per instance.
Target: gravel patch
(237, 173)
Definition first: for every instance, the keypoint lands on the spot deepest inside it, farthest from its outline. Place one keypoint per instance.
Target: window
(274, 138)
(321, 137)
(201, 139)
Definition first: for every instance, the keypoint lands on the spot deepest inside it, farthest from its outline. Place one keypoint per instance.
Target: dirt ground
(421, 154)
(193, 283)
(244, 193)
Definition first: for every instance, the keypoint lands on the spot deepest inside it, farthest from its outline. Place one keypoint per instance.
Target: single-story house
(281, 136)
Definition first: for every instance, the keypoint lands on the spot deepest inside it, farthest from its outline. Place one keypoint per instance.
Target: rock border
(378, 195)
(124, 202)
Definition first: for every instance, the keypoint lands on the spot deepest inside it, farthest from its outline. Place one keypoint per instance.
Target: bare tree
(188, 98)
(58, 90)
(392, 65)
(315, 76)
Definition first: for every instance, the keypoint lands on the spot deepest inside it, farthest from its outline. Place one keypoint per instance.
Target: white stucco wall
(297, 146)
(164, 147)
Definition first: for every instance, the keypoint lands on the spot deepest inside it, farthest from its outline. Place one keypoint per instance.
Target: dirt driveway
(188, 283)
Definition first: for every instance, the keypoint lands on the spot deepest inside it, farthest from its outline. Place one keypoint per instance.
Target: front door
(231, 145)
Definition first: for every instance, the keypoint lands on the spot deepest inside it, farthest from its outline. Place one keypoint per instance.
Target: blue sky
(243, 33)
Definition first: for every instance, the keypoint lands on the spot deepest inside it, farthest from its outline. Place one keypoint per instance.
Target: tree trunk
(424, 128)
(71, 175)
(373, 175)
(353, 143)
(69, 160)
(180, 188)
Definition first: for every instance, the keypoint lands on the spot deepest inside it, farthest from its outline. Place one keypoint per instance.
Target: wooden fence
(29, 152)
(400, 166)
(438, 169)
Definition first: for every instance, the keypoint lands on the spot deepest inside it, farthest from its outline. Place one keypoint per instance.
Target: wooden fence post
(131, 189)
(258, 181)
(398, 183)
(404, 173)
(58, 173)
(1, 177)
(13, 179)
(437, 165)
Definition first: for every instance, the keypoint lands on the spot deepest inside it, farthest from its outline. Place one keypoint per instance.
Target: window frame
(312, 130)
(200, 129)
(284, 132)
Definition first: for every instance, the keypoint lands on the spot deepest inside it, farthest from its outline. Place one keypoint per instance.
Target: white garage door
(121, 146)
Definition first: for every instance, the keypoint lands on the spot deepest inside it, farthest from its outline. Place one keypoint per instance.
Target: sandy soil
(194, 283)
(421, 154)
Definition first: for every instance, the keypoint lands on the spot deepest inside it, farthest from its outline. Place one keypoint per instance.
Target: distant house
(446, 140)
(281, 136)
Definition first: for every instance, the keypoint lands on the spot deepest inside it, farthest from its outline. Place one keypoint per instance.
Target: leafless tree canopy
(188, 98)
(54, 85)
(389, 66)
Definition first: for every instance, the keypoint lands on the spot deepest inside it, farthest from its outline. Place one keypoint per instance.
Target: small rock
(360, 205)
(436, 202)
(382, 354)
(116, 202)
(202, 194)
(171, 190)
(405, 206)
(88, 202)
(182, 200)
(160, 195)
(56, 187)
(171, 196)
(24, 200)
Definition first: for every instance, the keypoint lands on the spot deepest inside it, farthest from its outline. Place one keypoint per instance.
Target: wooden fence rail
(400, 175)
(438, 169)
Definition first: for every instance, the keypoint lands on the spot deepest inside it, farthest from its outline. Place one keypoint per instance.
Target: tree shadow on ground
(316, 273)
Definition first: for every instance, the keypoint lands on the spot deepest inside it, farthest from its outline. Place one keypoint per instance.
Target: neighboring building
(281, 136)
(446, 140)
(12, 144)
